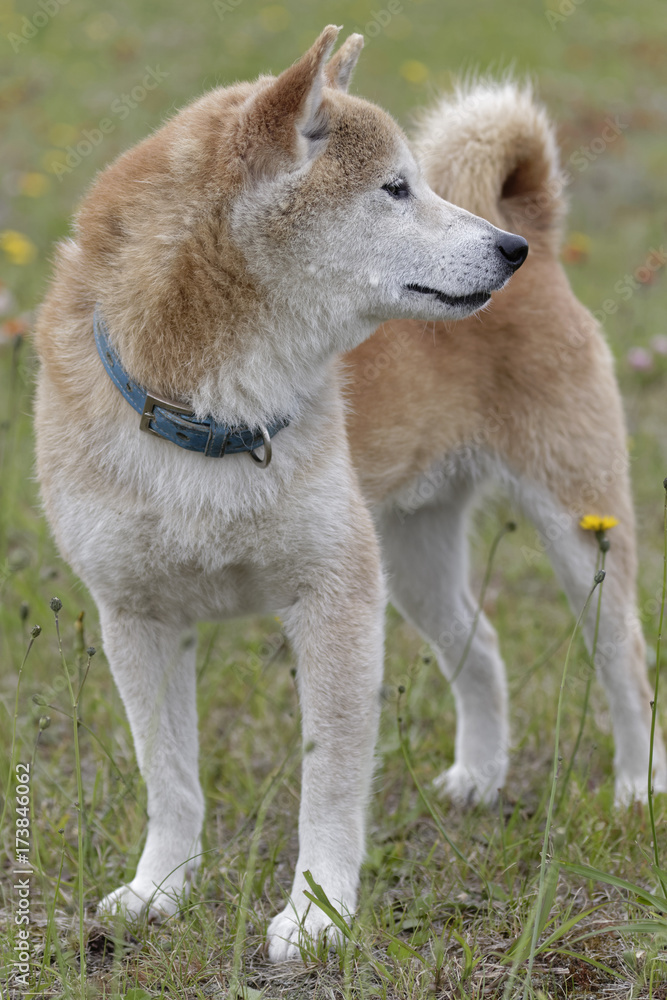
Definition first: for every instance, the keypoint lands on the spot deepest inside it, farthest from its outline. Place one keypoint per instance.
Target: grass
(448, 899)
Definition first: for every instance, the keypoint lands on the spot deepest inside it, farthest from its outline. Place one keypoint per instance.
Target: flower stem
(544, 863)
(508, 527)
(79, 787)
(589, 680)
(654, 703)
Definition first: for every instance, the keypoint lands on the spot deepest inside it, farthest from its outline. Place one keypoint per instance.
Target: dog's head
(282, 215)
(337, 210)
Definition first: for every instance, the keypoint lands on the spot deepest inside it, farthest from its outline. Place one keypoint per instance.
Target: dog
(524, 394)
(217, 271)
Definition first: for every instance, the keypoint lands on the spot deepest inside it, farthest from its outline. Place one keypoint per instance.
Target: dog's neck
(193, 323)
(275, 378)
(275, 367)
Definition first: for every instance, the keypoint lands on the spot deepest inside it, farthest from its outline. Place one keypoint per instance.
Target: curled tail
(491, 148)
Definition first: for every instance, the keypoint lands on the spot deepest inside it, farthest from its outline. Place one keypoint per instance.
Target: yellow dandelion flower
(18, 247)
(414, 71)
(577, 248)
(593, 522)
(34, 185)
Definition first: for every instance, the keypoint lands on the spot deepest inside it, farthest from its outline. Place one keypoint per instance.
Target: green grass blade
(586, 871)
(320, 898)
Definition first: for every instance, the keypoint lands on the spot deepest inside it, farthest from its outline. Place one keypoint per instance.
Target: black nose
(514, 249)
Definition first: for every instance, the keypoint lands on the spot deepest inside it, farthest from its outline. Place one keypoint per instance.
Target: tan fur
(499, 144)
(528, 385)
(532, 374)
(234, 255)
(177, 294)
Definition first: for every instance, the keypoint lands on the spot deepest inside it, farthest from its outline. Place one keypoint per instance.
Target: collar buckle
(178, 424)
(147, 415)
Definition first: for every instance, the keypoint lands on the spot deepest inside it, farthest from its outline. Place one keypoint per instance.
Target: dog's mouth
(474, 301)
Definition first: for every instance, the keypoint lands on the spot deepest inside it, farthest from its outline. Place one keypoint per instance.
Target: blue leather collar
(177, 423)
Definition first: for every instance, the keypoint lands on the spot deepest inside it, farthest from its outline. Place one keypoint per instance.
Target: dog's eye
(398, 188)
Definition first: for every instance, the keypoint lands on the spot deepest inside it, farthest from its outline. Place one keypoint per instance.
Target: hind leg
(620, 657)
(426, 556)
(153, 666)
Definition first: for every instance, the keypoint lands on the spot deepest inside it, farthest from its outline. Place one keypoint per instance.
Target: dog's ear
(341, 67)
(286, 124)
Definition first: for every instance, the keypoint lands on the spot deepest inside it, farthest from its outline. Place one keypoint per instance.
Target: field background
(429, 923)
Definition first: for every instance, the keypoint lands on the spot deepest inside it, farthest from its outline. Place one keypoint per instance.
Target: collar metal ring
(266, 457)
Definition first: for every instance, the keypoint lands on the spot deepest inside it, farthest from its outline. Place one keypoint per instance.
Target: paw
(466, 786)
(289, 934)
(141, 899)
(629, 789)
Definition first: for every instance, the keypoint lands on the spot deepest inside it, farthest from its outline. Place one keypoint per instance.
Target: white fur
(424, 542)
(164, 537)
(233, 540)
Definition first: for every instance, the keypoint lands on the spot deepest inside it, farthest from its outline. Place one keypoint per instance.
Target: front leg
(336, 629)
(153, 665)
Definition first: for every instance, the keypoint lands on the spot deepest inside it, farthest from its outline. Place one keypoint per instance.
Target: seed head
(600, 575)
(91, 651)
(44, 722)
(55, 604)
(35, 631)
